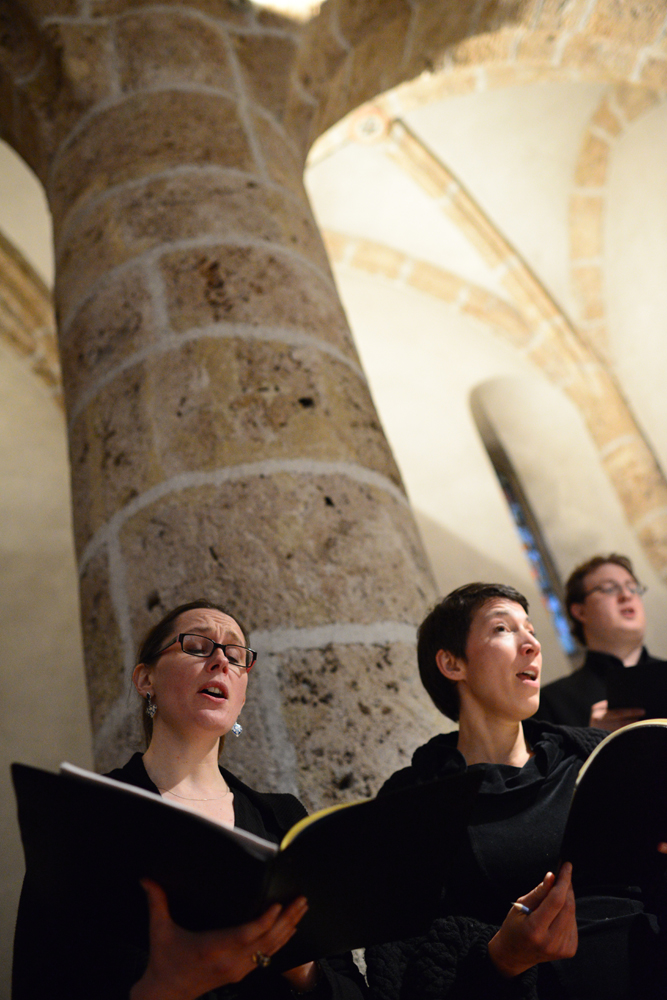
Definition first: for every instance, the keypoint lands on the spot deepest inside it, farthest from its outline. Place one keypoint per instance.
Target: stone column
(223, 439)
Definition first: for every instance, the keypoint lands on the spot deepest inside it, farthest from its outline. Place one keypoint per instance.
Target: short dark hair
(575, 592)
(447, 627)
(159, 635)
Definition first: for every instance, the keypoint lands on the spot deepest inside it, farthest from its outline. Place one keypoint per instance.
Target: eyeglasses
(201, 645)
(617, 589)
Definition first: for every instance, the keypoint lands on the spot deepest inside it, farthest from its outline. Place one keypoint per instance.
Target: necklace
(190, 798)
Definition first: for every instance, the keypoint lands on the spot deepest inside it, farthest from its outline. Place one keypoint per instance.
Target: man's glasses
(201, 645)
(617, 588)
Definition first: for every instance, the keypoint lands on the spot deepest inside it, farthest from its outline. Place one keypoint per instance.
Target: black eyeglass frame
(216, 645)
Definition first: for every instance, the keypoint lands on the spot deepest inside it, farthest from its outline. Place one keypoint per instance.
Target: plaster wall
(635, 267)
(423, 360)
(43, 706)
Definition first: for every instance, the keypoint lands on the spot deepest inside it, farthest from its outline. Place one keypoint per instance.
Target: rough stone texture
(538, 46)
(106, 329)
(626, 23)
(143, 135)
(595, 56)
(480, 49)
(264, 62)
(86, 58)
(280, 550)
(556, 15)
(213, 404)
(360, 712)
(282, 162)
(254, 285)
(189, 205)
(163, 48)
(238, 13)
(101, 638)
(653, 537)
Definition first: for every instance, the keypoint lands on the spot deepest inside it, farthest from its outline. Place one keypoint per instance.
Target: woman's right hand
(548, 932)
(184, 964)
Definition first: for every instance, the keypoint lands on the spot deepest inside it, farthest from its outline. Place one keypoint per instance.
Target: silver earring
(237, 729)
(151, 707)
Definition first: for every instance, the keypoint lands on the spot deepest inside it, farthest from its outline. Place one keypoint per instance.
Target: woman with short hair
(480, 661)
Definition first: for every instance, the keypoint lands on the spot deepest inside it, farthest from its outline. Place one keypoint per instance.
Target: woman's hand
(548, 932)
(182, 964)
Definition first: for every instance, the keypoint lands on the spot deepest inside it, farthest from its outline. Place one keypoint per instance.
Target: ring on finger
(260, 959)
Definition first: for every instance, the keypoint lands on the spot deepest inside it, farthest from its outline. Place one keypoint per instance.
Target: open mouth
(528, 674)
(214, 691)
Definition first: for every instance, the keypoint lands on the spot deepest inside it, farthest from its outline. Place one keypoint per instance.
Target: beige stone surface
(628, 23)
(213, 404)
(232, 12)
(377, 259)
(283, 162)
(87, 58)
(143, 135)
(587, 284)
(606, 119)
(266, 62)
(594, 56)
(633, 471)
(480, 49)
(653, 537)
(586, 221)
(357, 714)
(101, 639)
(158, 48)
(654, 73)
(593, 161)
(633, 100)
(188, 206)
(499, 315)
(254, 285)
(373, 62)
(281, 551)
(356, 20)
(435, 281)
(538, 46)
(555, 15)
(107, 329)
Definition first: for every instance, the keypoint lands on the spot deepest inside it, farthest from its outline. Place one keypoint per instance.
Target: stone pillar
(222, 436)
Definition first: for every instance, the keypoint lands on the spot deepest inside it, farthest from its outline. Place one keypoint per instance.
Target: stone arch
(27, 322)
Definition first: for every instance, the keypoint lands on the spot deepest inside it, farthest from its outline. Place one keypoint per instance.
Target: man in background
(604, 602)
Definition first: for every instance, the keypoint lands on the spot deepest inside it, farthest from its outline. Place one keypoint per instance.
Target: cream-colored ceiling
(413, 271)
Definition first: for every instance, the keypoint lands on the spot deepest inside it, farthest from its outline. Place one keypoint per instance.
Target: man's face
(612, 613)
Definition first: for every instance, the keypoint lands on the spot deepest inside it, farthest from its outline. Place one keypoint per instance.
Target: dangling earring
(151, 707)
(237, 729)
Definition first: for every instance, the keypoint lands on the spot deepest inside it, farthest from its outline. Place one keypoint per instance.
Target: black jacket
(568, 700)
(514, 835)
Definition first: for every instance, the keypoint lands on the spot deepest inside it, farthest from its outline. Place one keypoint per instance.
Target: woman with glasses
(192, 676)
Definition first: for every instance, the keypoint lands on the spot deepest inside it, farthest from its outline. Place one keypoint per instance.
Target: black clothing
(568, 700)
(62, 958)
(513, 840)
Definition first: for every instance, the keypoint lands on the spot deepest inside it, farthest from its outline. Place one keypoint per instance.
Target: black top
(66, 960)
(513, 840)
(568, 700)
